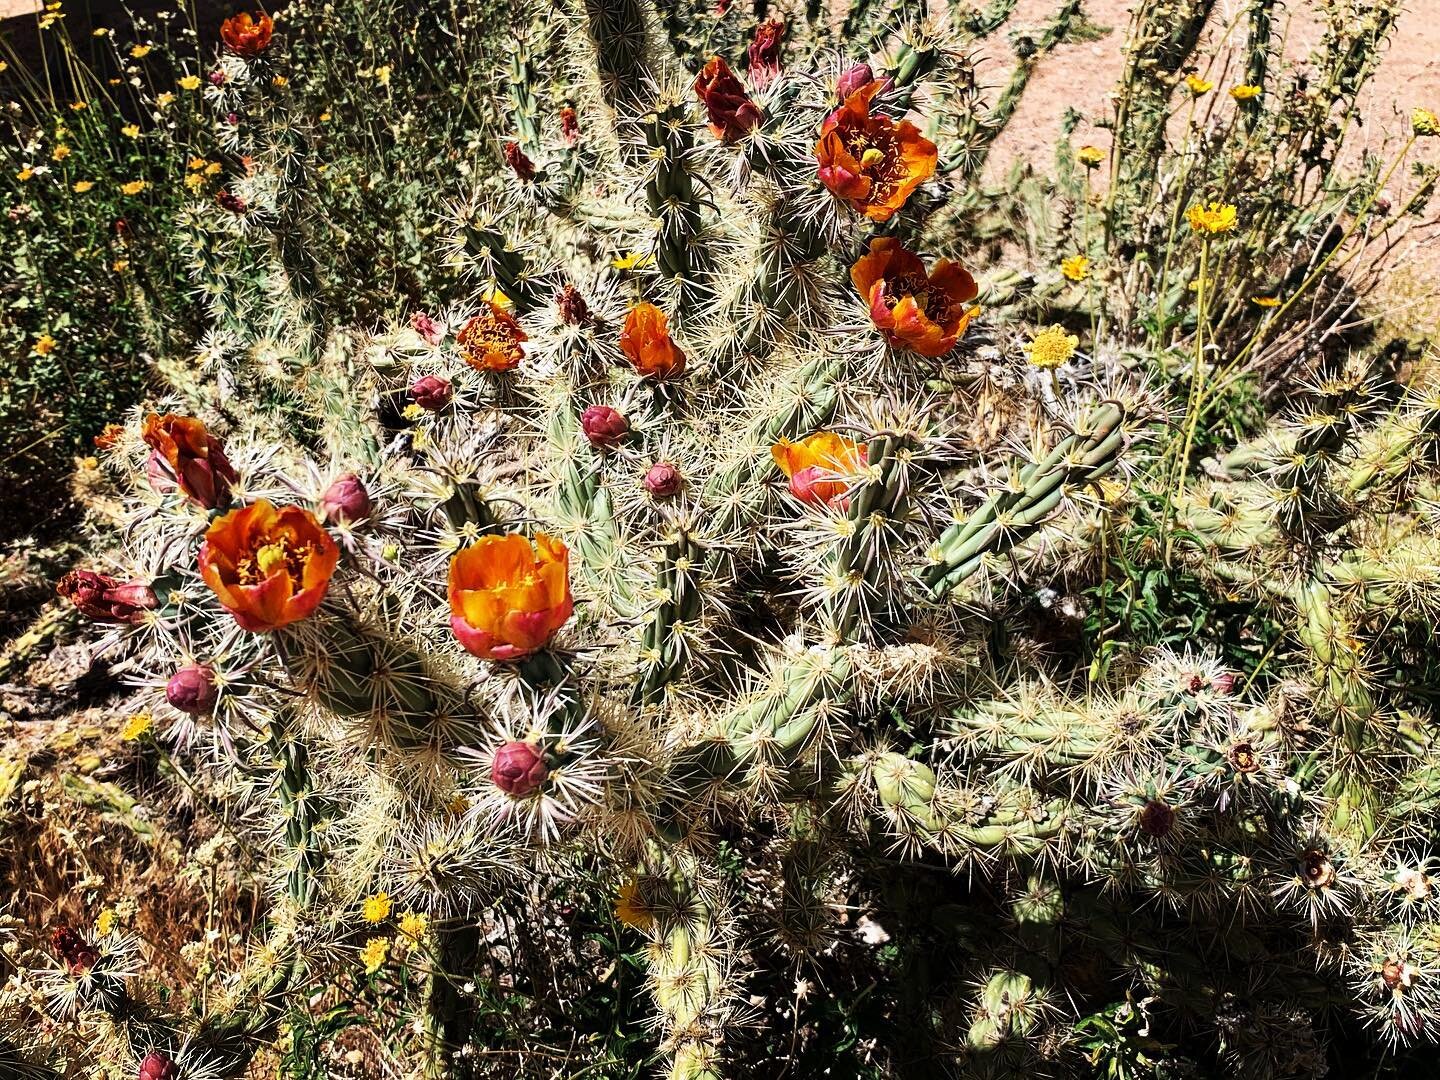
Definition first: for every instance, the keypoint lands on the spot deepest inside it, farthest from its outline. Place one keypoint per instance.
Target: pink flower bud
(107, 599)
(1224, 683)
(192, 690)
(519, 769)
(854, 78)
(427, 328)
(663, 480)
(217, 77)
(78, 955)
(432, 392)
(157, 1066)
(604, 427)
(346, 500)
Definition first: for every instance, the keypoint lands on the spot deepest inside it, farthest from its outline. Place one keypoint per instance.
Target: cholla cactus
(695, 510)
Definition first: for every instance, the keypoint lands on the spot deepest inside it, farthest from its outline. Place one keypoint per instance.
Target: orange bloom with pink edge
(186, 453)
(818, 465)
(922, 311)
(246, 34)
(872, 162)
(492, 340)
(645, 340)
(509, 594)
(269, 566)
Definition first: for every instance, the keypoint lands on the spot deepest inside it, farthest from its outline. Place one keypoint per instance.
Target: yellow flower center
(871, 157)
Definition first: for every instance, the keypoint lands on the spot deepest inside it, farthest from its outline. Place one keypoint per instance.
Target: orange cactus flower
(492, 340)
(269, 566)
(728, 108)
(110, 437)
(872, 162)
(923, 312)
(508, 594)
(818, 464)
(186, 454)
(246, 34)
(645, 341)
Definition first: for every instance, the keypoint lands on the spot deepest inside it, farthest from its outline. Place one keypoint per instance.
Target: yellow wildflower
(106, 922)
(120, 265)
(632, 260)
(382, 74)
(1090, 156)
(27, 173)
(100, 31)
(212, 168)
(4, 66)
(79, 106)
(1075, 268)
(194, 180)
(279, 80)
(1424, 123)
(1197, 85)
(373, 956)
(1212, 218)
(196, 163)
(630, 909)
(1051, 347)
(1265, 301)
(189, 82)
(414, 925)
(1245, 92)
(134, 187)
(139, 52)
(82, 186)
(90, 463)
(44, 345)
(376, 908)
(131, 131)
(60, 153)
(413, 412)
(167, 98)
(137, 726)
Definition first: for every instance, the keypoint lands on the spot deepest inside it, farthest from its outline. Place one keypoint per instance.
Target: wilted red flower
(77, 954)
(185, 452)
(572, 307)
(645, 341)
(569, 125)
(346, 500)
(268, 566)
(518, 769)
(872, 162)
(508, 594)
(603, 426)
(107, 599)
(730, 111)
(431, 392)
(228, 200)
(663, 480)
(109, 437)
(764, 51)
(818, 466)
(519, 163)
(913, 309)
(426, 327)
(192, 689)
(246, 34)
(492, 340)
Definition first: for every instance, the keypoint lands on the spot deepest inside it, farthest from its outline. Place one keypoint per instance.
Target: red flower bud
(569, 125)
(663, 480)
(518, 769)
(730, 111)
(432, 392)
(1224, 683)
(78, 955)
(604, 427)
(107, 599)
(853, 79)
(764, 51)
(346, 500)
(1156, 819)
(521, 165)
(230, 201)
(427, 328)
(192, 690)
(157, 1066)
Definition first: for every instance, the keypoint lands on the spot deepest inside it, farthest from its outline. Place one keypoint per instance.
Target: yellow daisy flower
(60, 153)
(131, 131)
(137, 726)
(374, 955)
(106, 922)
(1051, 347)
(630, 909)
(1075, 268)
(1090, 156)
(189, 82)
(414, 925)
(1424, 123)
(1245, 92)
(167, 98)
(1212, 218)
(1197, 85)
(82, 186)
(27, 173)
(134, 187)
(376, 908)
(1265, 301)
(139, 52)
(44, 345)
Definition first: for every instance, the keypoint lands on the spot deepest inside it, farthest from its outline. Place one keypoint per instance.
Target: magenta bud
(519, 769)
(1224, 683)
(853, 79)
(217, 77)
(427, 328)
(604, 427)
(346, 500)
(157, 1066)
(432, 392)
(192, 690)
(663, 480)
